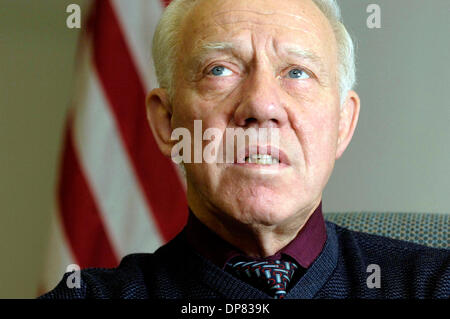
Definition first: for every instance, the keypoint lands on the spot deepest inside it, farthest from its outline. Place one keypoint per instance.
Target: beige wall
(398, 161)
(36, 64)
(399, 158)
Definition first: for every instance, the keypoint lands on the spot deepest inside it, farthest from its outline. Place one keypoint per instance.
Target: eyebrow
(202, 51)
(217, 46)
(305, 54)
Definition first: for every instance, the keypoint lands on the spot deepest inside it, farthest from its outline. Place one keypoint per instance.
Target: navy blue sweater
(407, 270)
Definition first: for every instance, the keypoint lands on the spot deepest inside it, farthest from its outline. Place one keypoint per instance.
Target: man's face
(278, 69)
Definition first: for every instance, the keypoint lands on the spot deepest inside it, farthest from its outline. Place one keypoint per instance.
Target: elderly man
(255, 228)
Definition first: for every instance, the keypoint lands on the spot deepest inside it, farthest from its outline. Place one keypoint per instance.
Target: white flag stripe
(138, 33)
(138, 23)
(126, 216)
(59, 255)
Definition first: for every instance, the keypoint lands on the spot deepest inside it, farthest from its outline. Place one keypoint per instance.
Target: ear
(347, 121)
(159, 116)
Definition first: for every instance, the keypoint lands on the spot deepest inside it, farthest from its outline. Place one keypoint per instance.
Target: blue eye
(221, 71)
(298, 74)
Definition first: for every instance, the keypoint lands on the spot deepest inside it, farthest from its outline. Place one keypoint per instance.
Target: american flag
(116, 193)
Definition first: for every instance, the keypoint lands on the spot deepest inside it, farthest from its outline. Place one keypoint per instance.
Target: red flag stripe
(124, 89)
(79, 213)
(166, 2)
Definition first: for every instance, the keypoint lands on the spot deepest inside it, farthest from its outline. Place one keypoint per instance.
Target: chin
(264, 210)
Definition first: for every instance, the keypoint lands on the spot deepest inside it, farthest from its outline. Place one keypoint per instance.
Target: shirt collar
(304, 248)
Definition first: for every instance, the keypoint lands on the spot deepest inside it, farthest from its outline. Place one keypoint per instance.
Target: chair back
(429, 229)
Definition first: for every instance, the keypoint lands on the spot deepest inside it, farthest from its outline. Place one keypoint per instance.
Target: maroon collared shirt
(303, 249)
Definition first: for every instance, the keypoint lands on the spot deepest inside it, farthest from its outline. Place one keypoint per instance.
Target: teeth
(261, 159)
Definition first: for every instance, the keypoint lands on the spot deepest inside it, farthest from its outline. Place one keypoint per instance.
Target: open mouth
(262, 159)
(260, 155)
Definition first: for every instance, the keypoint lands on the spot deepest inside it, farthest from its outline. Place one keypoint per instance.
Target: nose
(261, 105)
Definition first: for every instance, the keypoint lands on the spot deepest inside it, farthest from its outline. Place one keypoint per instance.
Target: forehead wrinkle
(296, 17)
(241, 16)
(292, 49)
(260, 23)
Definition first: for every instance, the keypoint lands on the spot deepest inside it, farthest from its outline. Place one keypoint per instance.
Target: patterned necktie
(271, 276)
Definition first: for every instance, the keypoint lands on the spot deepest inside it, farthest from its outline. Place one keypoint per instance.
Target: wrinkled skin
(258, 209)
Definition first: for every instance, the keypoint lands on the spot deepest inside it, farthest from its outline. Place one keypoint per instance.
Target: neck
(255, 240)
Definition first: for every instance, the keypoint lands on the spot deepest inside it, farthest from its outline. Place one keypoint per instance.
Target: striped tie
(270, 276)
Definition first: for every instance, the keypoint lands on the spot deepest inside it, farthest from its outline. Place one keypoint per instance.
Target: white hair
(167, 39)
